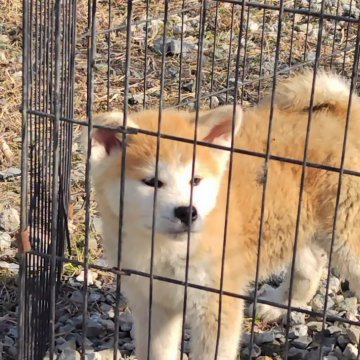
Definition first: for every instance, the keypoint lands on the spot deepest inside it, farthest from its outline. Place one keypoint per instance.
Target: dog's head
(167, 167)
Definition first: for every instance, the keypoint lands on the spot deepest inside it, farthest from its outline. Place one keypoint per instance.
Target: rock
(296, 318)
(125, 321)
(69, 354)
(92, 276)
(178, 29)
(214, 102)
(298, 331)
(350, 352)
(318, 303)
(296, 354)
(190, 86)
(5, 241)
(265, 337)
(108, 325)
(334, 285)
(353, 333)
(67, 345)
(343, 340)
(349, 305)
(9, 220)
(310, 56)
(315, 325)
(10, 173)
(130, 346)
(173, 46)
(77, 297)
(332, 330)
(94, 328)
(9, 266)
(107, 354)
(95, 297)
(255, 352)
(302, 342)
(330, 357)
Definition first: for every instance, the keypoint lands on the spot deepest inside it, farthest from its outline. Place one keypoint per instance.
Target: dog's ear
(216, 126)
(106, 144)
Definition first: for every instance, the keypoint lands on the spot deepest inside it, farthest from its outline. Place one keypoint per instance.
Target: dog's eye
(152, 182)
(196, 181)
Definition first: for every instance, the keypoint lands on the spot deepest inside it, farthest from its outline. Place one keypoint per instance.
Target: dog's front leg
(204, 333)
(165, 330)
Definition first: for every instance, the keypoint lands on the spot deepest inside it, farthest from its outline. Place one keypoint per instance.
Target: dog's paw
(265, 312)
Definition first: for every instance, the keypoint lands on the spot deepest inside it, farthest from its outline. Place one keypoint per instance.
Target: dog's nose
(186, 214)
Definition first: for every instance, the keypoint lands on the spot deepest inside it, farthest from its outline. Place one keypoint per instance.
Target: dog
(212, 240)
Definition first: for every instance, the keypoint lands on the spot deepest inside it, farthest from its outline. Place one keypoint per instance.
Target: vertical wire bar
(197, 104)
(213, 55)
(307, 32)
(161, 103)
(24, 175)
(334, 40)
(108, 57)
(37, 178)
(347, 39)
(55, 180)
(303, 172)
(228, 190)
(266, 164)
(354, 77)
(229, 55)
(244, 62)
(261, 52)
(90, 101)
(123, 169)
(146, 51)
(181, 51)
(292, 36)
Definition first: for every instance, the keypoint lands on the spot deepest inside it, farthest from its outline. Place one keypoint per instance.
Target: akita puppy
(205, 218)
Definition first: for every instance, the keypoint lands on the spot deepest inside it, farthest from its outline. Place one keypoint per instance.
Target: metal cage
(80, 57)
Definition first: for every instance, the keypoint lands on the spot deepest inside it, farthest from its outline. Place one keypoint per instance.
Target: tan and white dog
(206, 218)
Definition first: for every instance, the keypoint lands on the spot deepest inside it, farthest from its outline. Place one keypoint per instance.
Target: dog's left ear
(217, 125)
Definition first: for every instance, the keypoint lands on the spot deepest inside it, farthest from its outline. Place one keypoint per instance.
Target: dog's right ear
(105, 143)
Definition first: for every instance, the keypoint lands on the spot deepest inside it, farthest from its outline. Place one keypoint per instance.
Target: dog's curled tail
(331, 93)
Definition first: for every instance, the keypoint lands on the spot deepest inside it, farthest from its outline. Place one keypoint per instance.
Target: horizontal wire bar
(129, 130)
(313, 13)
(129, 272)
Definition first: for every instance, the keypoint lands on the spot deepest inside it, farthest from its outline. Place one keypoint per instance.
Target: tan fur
(282, 195)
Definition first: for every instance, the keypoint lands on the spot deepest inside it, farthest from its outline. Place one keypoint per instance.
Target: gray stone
(9, 220)
(318, 303)
(353, 333)
(92, 276)
(349, 305)
(94, 328)
(343, 340)
(173, 46)
(297, 331)
(130, 346)
(302, 342)
(178, 29)
(255, 351)
(67, 345)
(214, 102)
(107, 354)
(330, 357)
(132, 332)
(189, 86)
(9, 266)
(69, 354)
(5, 241)
(315, 325)
(10, 173)
(125, 321)
(77, 297)
(108, 325)
(332, 330)
(350, 352)
(334, 285)
(265, 337)
(296, 318)
(296, 354)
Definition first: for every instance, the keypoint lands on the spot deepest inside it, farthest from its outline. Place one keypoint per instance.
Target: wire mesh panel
(82, 58)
